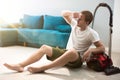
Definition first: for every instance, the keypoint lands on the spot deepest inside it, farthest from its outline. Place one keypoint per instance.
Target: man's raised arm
(67, 16)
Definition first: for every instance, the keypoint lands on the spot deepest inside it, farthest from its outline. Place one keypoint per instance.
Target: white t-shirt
(81, 40)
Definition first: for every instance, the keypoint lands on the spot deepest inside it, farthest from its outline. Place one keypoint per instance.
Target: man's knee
(46, 49)
(44, 46)
(74, 54)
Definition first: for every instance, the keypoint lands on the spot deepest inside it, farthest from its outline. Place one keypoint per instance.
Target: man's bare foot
(15, 67)
(35, 70)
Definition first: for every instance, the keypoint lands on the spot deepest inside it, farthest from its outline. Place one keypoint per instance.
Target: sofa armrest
(11, 25)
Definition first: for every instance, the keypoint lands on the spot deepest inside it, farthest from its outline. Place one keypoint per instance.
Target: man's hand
(86, 55)
(76, 14)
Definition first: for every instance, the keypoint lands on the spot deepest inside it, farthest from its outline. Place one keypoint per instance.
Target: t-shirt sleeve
(95, 37)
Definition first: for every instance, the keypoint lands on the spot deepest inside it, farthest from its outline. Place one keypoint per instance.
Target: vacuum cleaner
(111, 69)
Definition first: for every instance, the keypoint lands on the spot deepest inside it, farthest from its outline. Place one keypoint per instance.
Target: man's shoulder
(93, 31)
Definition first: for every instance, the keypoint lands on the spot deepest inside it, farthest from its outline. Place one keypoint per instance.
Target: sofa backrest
(32, 21)
(56, 23)
(47, 22)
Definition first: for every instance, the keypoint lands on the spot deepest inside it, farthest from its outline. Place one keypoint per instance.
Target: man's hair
(88, 16)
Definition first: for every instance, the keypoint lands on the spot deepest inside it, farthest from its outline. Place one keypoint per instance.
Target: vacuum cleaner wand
(110, 22)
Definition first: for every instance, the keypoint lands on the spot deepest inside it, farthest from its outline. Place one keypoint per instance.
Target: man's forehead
(80, 15)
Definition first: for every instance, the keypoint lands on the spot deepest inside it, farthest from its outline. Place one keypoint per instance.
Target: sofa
(36, 30)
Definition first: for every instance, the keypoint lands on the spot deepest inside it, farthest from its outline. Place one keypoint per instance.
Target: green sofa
(36, 30)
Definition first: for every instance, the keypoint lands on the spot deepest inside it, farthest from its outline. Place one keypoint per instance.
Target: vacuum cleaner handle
(103, 4)
(110, 23)
(110, 10)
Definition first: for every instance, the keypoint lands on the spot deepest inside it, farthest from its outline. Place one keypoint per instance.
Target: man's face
(81, 21)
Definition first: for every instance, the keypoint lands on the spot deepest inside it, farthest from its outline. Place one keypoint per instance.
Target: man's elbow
(102, 49)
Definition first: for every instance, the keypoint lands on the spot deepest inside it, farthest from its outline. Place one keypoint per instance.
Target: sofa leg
(25, 44)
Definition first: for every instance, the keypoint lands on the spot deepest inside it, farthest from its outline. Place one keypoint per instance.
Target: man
(82, 37)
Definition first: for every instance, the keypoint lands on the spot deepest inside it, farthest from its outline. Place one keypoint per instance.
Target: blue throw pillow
(51, 21)
(33, 22)
(63, 28)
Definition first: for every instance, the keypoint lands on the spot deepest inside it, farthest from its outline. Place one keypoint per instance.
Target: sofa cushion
(33, 22)
(40, 37)
(63, 28)
(51, 21)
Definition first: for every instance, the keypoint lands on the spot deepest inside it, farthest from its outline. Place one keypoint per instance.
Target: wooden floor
(15, 54)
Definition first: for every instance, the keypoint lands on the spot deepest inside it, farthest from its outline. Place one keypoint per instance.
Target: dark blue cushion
(63, 28)
(50, 22)
(33, 22)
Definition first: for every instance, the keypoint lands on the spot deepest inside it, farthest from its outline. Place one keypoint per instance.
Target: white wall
(116, 27)
(11, 9)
